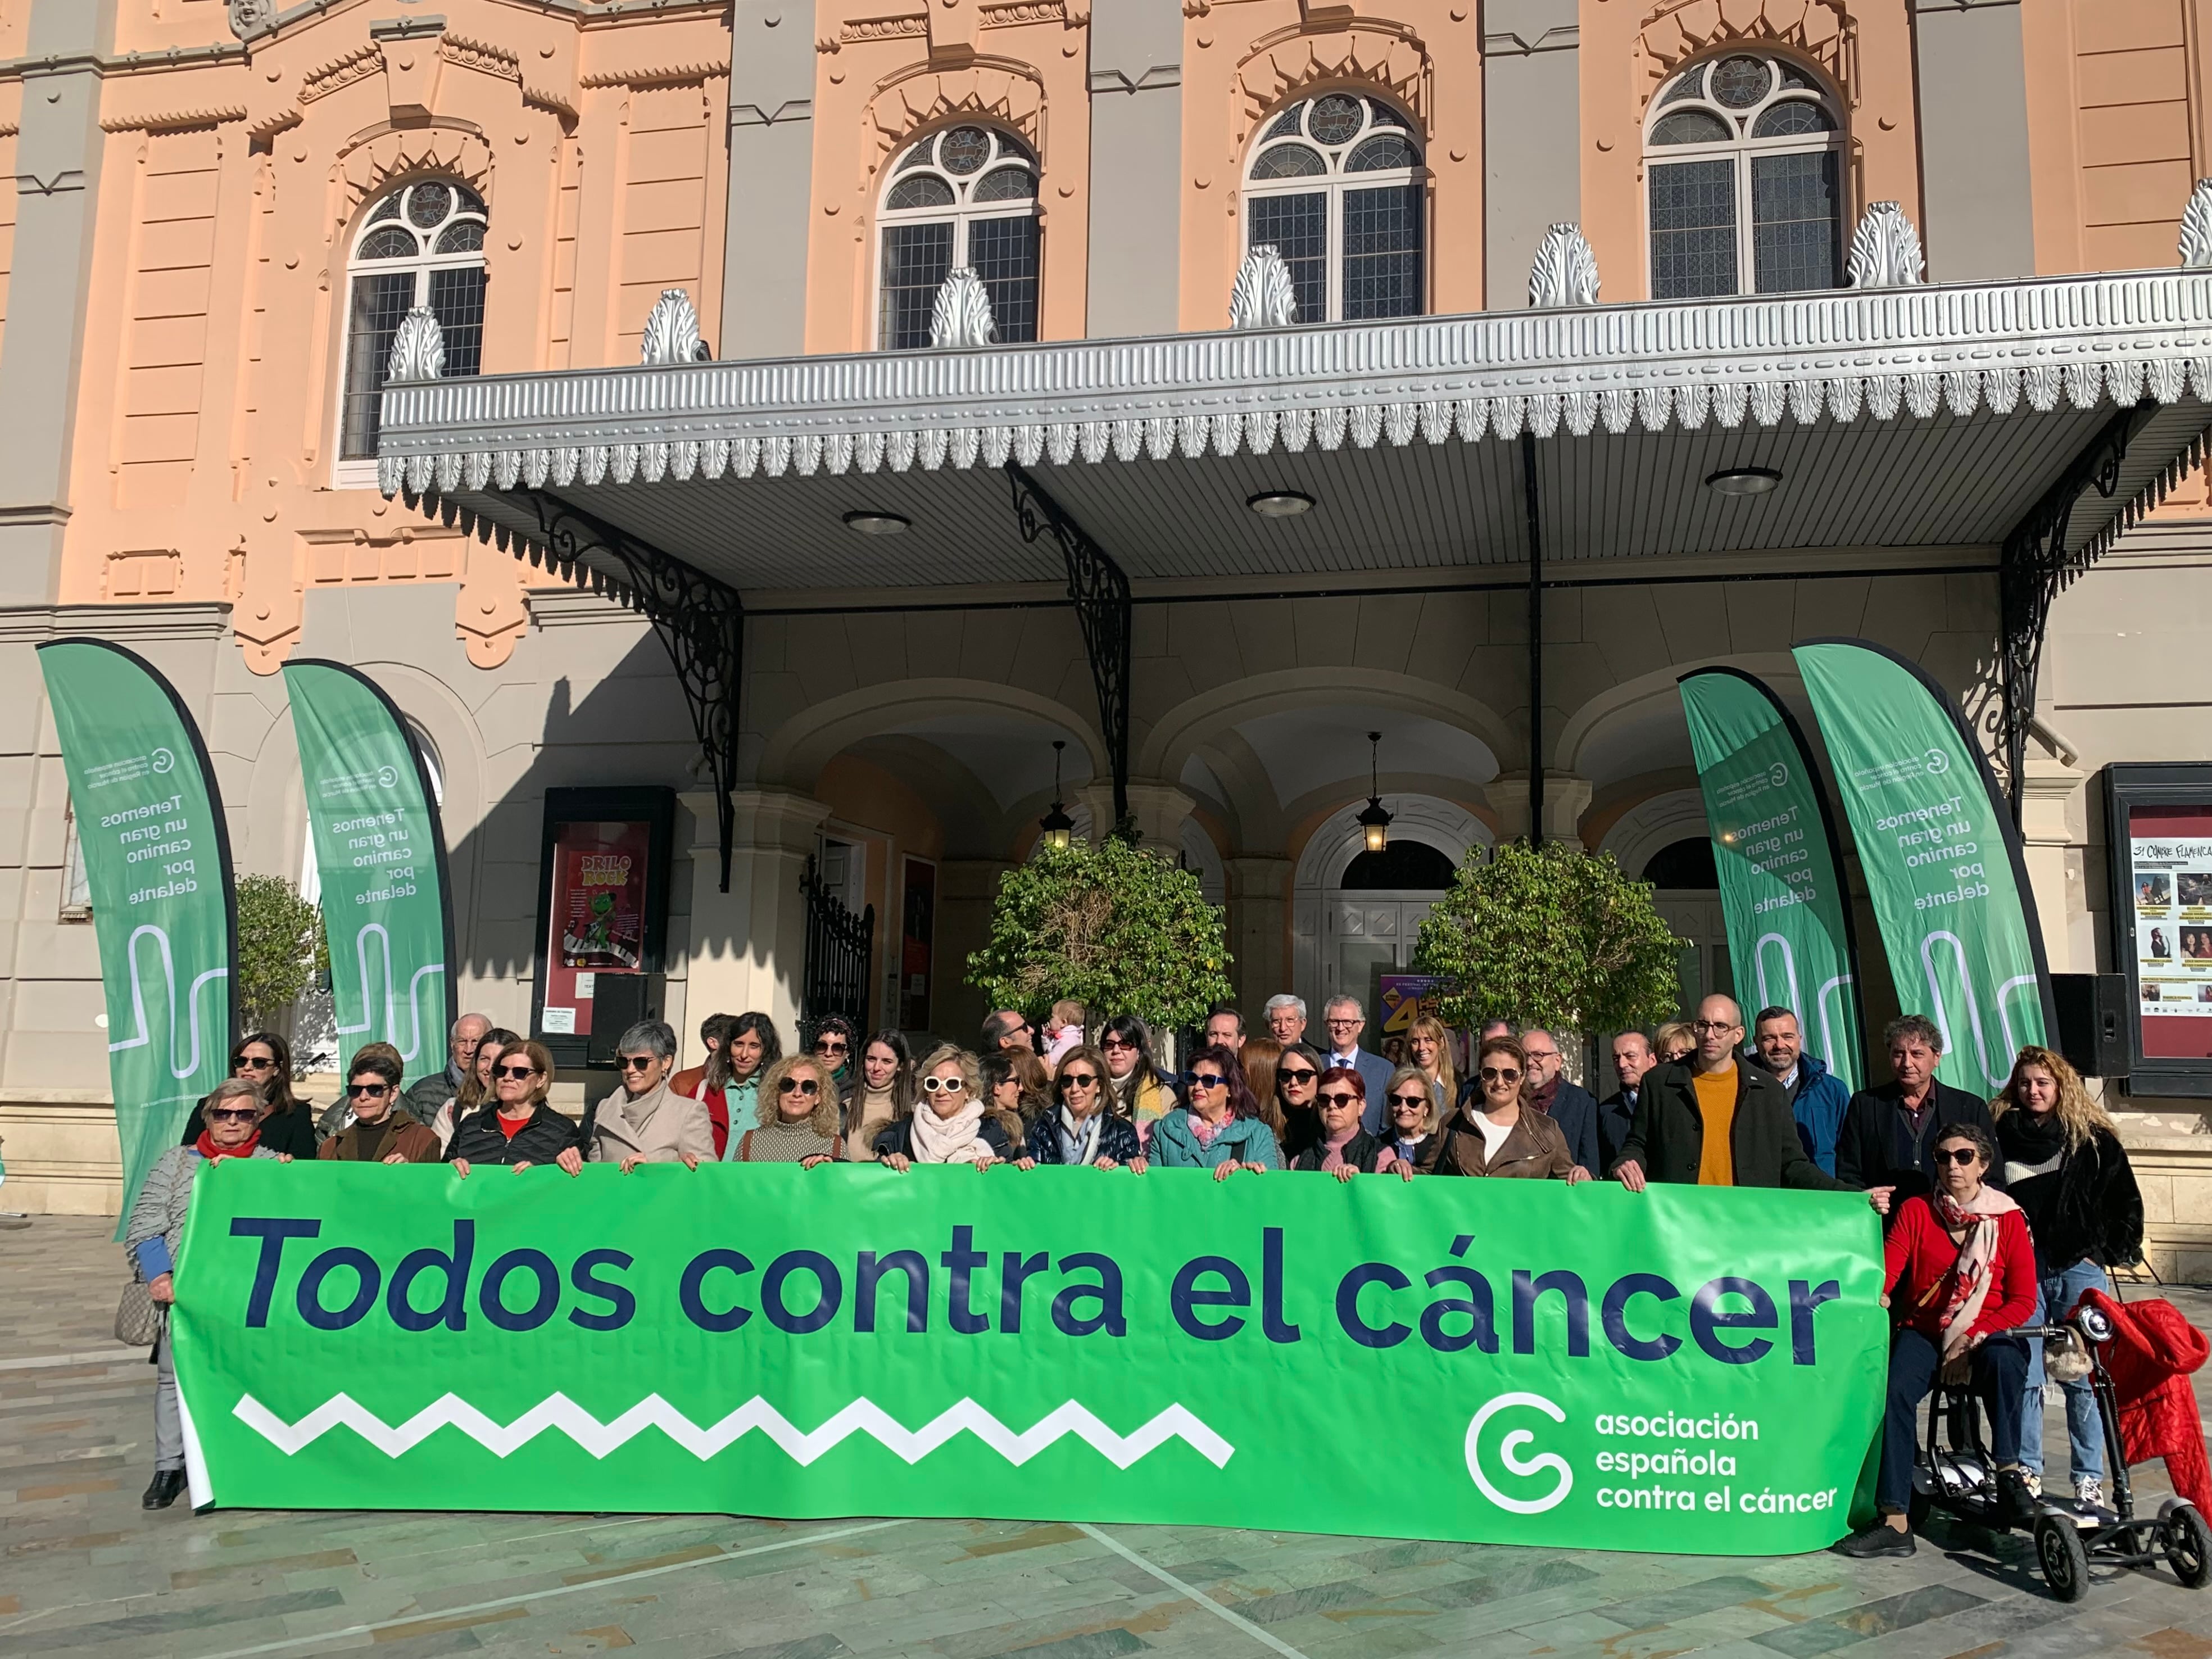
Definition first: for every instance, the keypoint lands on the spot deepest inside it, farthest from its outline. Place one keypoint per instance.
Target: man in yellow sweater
(1714, 1121)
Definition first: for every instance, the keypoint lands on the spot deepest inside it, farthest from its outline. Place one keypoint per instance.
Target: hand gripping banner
(1783, 893)
(1942, 860)
(1688, 1370)
(381, 854)
(156, 852)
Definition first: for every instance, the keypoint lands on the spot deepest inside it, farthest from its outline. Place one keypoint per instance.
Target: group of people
(1997, 1212)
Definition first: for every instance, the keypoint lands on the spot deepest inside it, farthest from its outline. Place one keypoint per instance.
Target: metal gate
(840, 952)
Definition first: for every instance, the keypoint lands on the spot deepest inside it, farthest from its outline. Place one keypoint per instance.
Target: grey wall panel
(1978, 214)
(56, 187)
(771, 174)
(1136, 167)
(1531, 136)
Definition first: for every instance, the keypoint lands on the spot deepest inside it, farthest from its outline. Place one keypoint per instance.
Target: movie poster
(598, 917)
(2170, 850)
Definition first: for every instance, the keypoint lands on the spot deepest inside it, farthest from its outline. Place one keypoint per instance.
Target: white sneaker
(2034, 1480)
(2089, 1489)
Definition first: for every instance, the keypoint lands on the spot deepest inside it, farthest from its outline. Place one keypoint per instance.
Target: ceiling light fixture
(1056, 827)
(1279, 503)
(877, 524)
(1743, 480)
(1375, 820)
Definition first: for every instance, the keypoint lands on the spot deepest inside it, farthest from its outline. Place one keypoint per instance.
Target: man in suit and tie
(1632, 1057)
(1570, 1105)
(1345, 1019)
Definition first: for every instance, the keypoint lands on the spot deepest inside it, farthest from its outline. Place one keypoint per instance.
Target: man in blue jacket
(1817, 1099)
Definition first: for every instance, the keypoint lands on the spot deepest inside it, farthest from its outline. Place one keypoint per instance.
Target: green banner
(156, 852)
(1942, 861)
(1688, 1370)
(1782, 889)
(381, 854)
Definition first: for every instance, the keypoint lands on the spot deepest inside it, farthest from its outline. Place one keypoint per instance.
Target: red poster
(598, 917)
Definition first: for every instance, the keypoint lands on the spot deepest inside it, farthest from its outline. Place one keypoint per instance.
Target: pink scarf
(1974, 1227)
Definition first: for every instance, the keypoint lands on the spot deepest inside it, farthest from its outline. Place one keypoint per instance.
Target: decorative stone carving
(962, 314)
(249, 17)
(1565, 270)
(1263, 296)
(671, 331)
(1886, 249)
(419, 349)
(2196, 228)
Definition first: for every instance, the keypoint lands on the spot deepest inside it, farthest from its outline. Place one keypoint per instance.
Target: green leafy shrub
(280, 948)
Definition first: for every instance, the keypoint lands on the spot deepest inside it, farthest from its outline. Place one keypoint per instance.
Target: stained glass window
(1335, 185)
(422, 245)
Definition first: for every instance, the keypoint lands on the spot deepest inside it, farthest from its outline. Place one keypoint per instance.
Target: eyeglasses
(1116, 1042)
(1079, 1080)
(1343, 1022)
(1409, 1102)
(831, 1045)
(1339, 1097)
(524, 1070)
(366, 1090)
(1705, 1027)
(799, 1085)
(1500, 1074)
(1960, 1156)
(1299, 1074)
(251, 1063)
(945, 1086)
(1206, 1080)
(637, 1063)
(1542, 1053)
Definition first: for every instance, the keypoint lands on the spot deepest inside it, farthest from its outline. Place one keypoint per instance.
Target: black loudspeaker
(618, 1002)
(2092, 1022)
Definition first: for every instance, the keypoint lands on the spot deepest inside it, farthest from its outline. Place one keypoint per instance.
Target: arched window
(1334, 186)
(421, 246)
(1744, 155)
(966, 196)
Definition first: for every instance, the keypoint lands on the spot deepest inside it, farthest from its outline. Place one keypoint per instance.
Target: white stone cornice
(1887, 353)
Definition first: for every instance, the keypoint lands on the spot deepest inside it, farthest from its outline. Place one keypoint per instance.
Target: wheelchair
(1953, 1472)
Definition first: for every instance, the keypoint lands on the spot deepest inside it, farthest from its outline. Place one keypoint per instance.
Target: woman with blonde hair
(954, 1123)
(1428, 1048)
(1674, 1042)
(1411, 1120)
(797, 1119)
(2065, 1168)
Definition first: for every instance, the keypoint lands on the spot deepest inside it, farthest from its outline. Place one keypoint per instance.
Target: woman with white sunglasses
(953, 1123)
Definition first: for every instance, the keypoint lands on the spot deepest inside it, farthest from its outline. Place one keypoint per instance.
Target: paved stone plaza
(85, 1571)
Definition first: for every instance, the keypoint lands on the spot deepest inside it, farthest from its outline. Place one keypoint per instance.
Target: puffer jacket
(1244, 1139)
(1117, 1138)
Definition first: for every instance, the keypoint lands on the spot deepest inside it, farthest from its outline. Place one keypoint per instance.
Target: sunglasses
(1203, 1079)
(1118, 1042)
(1339, 1097)
(366, 1090)
(944, 1085)
(636, 1062)
(1500, 1074)
(1300, 1074)
(524, 1070)
(231, 1114)
(1079, 1080)
(1961, 1156)
(799, 1085)
(251, 1063)
(830, 1046)
(1410, 1103)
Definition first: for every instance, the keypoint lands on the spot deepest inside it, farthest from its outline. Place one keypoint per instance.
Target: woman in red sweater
(1960, 1274)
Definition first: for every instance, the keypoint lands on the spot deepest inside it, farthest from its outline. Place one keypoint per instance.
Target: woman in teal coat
(1221, 1128)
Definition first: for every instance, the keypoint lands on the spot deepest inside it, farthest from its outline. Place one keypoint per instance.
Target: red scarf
(215, 1154)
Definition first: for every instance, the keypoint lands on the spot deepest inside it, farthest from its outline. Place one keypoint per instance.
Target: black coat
(1117, 1137)
(291, 1130)
(1668, 1136)
(1616, 1116)
(1360, 1153)
(2091, 1210)
(478, 1139)
(1875, 1147)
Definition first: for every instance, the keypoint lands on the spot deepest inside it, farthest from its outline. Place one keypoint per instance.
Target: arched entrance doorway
(1355, 914)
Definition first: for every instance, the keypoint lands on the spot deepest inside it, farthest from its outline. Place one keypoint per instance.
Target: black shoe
(2016, 1504)
(1879, 1540)
(167, 1483)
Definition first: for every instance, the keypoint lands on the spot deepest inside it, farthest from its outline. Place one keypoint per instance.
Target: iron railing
(840, 954)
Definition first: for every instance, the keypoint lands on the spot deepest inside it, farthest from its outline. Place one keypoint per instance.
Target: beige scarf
(1974, 1227)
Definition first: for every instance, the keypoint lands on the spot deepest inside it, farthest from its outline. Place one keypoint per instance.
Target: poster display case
(602, 906)
(2159, 820)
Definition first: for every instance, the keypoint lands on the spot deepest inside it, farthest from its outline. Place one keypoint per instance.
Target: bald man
(1717, 1121)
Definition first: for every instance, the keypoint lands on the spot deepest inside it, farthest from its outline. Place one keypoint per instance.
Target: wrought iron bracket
(1099, 591)
(700, 620)
(2036, 566)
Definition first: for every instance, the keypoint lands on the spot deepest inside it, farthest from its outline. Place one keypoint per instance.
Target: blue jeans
(2085, 1427)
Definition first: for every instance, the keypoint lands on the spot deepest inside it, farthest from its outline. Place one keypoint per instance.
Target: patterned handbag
(137, 1316)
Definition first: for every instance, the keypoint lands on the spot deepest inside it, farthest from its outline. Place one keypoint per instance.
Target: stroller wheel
(2188, 1544)
(2065, 1564)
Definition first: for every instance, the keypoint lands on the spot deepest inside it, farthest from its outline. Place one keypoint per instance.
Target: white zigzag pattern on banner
(863, 1416)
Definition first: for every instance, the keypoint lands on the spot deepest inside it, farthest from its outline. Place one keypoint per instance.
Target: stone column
(748, 946)
(771, 171)
(1259, 931)
(1158, 808)
(1136, 155)
(1977, 218)
(966, 890)
(2053, 826)
(1532, 136)
(1566, 800)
